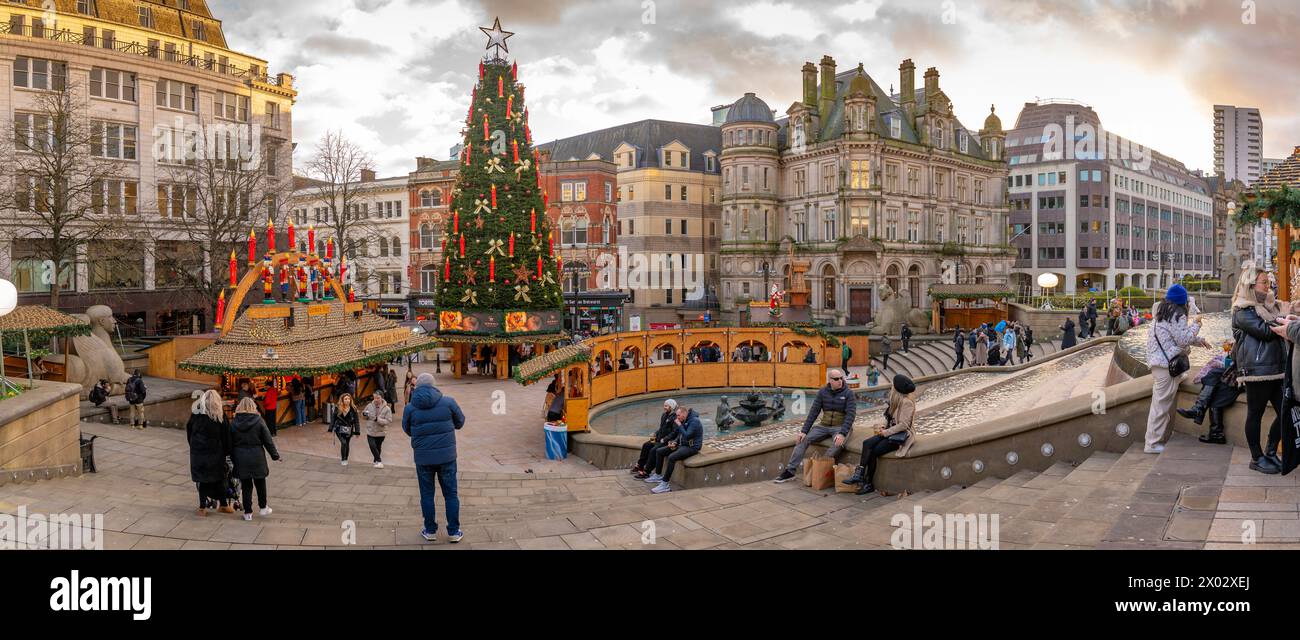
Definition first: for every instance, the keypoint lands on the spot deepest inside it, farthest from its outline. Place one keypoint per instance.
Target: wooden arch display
(253, 277)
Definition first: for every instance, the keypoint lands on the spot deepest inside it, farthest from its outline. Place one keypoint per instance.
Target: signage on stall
(379, 339)
(263, 313)
(318, 310)
(352, 307)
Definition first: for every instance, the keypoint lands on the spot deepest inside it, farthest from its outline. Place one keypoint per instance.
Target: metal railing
(250, 73)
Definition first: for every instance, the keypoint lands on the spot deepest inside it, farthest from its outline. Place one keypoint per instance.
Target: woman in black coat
(345, 425)
(208, 434)
(250, 442)
(1261, 359)
(1068, 337)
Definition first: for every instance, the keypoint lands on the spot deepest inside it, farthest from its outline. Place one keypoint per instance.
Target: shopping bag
(844, 472)
(823, 473)
(1290, 420)
(807, 472)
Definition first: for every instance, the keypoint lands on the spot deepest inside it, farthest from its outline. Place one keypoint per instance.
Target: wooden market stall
(968, 305)
(30, 324)
(571, 364)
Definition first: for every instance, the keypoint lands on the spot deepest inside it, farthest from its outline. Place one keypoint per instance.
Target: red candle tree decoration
(512, 244)
(270, 235)
(492, 269)
(252, 246)
(221, 306)
(292, 245)
(233, 269)
(311, 239)
(329, 249)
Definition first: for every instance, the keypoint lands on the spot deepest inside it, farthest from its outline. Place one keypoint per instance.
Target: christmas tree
(498, 248)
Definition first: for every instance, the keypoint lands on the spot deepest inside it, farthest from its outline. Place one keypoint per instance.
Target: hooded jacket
(431, 420)
(690, 435)
(250, 442)
(377, 419)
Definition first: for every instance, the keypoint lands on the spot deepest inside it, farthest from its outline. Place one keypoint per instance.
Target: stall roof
(317, 341)
(42, 322)
(971, 291)
(548, 363)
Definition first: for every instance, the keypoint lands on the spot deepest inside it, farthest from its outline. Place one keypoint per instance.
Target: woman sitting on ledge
(900, 417)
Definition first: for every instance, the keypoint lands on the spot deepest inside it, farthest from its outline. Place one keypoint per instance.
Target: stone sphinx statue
(894, 311)
(93, 357)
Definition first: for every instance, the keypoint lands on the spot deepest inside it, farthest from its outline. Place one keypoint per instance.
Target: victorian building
(429, 192)
(668, 189)
(583, 212)
(864, 187)
(152, 74)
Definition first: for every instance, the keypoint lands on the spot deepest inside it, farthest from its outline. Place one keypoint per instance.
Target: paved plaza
(1192, 496)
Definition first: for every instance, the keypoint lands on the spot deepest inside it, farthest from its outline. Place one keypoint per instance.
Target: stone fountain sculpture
(894, 311)
(93, 357)
(753, 410)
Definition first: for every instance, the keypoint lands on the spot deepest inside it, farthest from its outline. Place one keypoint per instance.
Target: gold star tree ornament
(496, 37)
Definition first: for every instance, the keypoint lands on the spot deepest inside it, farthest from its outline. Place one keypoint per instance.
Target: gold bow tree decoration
(495, 246)
(521, 293)
(470, 297)
(494, 164)
(481, 205)
(524, 165)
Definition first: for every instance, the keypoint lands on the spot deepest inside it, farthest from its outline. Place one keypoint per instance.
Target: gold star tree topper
(496, 37)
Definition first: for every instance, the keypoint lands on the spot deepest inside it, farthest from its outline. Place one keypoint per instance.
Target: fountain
(753, 410)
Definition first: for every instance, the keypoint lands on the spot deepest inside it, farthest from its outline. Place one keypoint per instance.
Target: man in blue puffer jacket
(431, 420)
(685, 442)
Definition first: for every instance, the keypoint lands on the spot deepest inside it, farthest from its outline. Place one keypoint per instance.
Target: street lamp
(8, 302)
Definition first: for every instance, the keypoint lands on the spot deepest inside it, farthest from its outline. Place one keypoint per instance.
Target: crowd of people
(1005, 343)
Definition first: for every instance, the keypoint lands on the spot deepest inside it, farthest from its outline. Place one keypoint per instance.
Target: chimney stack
(931, 82)
(827, 101)
(907, 87)
(810, 85)
(367, 175)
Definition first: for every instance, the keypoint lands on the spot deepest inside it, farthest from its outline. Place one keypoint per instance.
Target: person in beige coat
(377, 416)
(895, 435)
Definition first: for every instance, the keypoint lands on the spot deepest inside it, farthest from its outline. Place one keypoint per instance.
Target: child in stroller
(231, 487)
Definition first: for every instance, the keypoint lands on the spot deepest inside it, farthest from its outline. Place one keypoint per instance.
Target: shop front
(593, 311)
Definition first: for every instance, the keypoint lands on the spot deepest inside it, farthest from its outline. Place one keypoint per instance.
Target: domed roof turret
(750, 108)
(993, 122)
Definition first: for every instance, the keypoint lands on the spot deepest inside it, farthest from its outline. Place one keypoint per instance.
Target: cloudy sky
(395, 75)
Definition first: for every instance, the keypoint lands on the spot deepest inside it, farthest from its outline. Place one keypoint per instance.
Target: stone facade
(867, 188)
(583, 214)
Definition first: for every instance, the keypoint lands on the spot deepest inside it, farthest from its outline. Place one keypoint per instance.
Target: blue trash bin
(557, 441)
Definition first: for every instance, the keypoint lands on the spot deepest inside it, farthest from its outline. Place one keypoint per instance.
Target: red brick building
(429, 187)
(583, 212)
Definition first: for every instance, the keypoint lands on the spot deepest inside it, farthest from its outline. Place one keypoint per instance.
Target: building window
(668, 227)
(115, 197)
(115, 265)
(895, 127)
(37, 73)
(683, 193)
(913, 226)
(177, 95)
(273, 115)
(860, 174)
(112, 140)
(828, 288)
(146, 17)
(112, 84)
(231, 106)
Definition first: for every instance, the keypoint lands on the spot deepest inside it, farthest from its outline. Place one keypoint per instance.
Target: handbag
(1177, 366)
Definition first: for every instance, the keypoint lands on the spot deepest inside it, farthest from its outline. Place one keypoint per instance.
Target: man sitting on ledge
(837, 407)
(667, 428)
(686, 442)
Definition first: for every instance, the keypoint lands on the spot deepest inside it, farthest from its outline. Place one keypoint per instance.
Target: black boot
(1215, 436)
(1196, 413)
(856, 478)
(865, 489)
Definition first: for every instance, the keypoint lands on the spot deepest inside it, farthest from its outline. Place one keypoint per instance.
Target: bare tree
(63, 186)
(337, 166)
(214, 190)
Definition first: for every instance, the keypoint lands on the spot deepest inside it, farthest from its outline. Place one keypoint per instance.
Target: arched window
(580, 230)
(604, 230)
(828, 288)
(397, 246)
(363, 248)
(914, 285)
(566, 231)
(891, 277)
(426, 237)
(979, 274)
(383, 247)
(426, 198)
(437, 197)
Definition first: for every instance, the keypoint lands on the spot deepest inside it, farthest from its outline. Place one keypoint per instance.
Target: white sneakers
(1155, 448)
(379, 465)
(248, 516)
(662, 487)
(654, 477)
(345, 462)
(265, 512)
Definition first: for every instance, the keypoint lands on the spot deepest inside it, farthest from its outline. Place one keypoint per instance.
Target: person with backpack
(345, 424)
(135, 395)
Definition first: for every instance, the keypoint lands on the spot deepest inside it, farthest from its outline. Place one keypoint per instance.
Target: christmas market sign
(265, 313)
(380, 339)
(318, 310)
